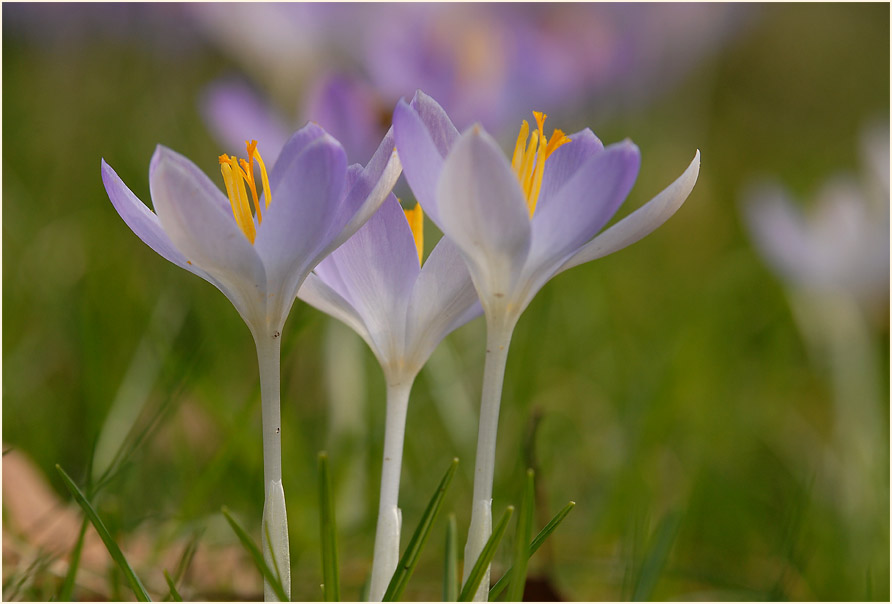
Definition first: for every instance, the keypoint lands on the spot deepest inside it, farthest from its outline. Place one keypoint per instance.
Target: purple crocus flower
(319, 203)
(514, 244)
(483, 62)
(345, 106)
(517, 223)
(377, 284)
(258, 254)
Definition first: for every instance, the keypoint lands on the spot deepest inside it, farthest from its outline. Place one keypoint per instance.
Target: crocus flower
(518, 222)
(842, 242)
(833, 259)
(258, 249)
(486, 61)
(483, 62)
(345, 106)
(377, 284)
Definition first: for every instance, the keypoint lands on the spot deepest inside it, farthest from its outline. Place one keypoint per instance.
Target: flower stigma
(415, 216)
(236, 174)
(528, 161)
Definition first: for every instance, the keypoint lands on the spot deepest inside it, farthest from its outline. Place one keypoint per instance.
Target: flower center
(415, 216)
(528, 161)
(236, 174)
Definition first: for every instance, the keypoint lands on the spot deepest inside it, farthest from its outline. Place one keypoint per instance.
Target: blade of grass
(522, 537)
(656, 558)
(67, 588)
(331, 588)
(135, 584)
(188, 554)
(450, 572)
(256, 555)
(409, 560)
(135, 388)
(502, 583)
(486, 556)
(173, 588)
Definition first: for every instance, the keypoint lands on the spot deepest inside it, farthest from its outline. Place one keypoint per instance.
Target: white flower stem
(498, 338)
(387, 535)
(274, 530)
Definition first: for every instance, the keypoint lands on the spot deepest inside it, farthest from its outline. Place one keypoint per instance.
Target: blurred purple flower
(283, 45)
(489, 62)
(345, 107)
(484, 63)
(841, 243)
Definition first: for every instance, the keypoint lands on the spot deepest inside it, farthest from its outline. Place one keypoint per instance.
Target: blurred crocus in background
(832, 256)
(484, 63)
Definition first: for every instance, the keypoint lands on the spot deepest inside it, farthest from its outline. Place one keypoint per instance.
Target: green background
(658, 388)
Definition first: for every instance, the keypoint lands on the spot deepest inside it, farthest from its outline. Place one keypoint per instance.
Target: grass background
(657, 387)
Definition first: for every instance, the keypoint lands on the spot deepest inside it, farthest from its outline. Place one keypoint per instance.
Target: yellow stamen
(253, 154)
(528, 160)
(415, 216)
(540, 120)
(519, 145)
(248, 169)
(236, 174)
(238, 198)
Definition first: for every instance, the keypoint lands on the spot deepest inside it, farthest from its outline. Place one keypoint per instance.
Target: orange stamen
(236, 174)
(528, 160)
(415, 216)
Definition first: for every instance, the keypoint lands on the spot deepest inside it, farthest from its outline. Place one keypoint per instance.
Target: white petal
(642, 221)
(443, 299)
(319, 295)
(198, 226)
(483, 211)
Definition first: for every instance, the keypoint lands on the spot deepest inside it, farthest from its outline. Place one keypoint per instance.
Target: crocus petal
(564, 162)
(318, 294)
(582, 206)
(441, 129)
(304, 202)
(379, 265)
(443, 299)
(424, 135)
(367, 189)
(202, 231)
(483, 211)
(642, 221)
(292, 148)
(235, 113)
(141, 220)
(208, 188)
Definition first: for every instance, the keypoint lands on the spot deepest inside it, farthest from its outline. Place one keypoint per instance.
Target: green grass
(670, 378)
